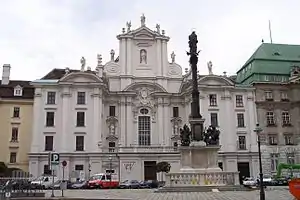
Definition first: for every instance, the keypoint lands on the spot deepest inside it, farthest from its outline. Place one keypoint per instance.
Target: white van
(44, 182)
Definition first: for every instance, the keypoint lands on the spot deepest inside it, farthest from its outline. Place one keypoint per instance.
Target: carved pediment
(212, 80)
(152, 87)
(81, 77)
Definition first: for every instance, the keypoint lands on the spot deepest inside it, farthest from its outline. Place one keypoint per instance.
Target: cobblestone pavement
(271, 194)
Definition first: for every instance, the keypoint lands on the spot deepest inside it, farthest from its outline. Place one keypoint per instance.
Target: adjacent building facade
(125, 116)
(16, 106)
(274, 72)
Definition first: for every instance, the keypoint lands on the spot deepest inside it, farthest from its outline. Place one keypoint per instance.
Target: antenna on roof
(270, 30)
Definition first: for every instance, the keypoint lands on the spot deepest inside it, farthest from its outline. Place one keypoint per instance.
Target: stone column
(97, 119)
(128, 57)
(231, 140)
(129, 132)
(65, 123)
(167, 123)
(123, 56)
(124, 141)
(159, 58)
(160, 128)
(38, 122)
(164, 54)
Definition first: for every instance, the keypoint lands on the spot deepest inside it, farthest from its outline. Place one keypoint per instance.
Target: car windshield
(96, 177)
(249, 179)
(126, 181)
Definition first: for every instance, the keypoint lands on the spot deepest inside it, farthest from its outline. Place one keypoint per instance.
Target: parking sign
(54, 159)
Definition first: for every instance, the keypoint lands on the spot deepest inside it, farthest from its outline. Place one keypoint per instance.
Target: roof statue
(158, 28)
(209, 66)
(112, 55)
(123, 30)
(173, 55)
(82, 61)
(143, 20)
(128, 24)
(163, 32)
(99, 58)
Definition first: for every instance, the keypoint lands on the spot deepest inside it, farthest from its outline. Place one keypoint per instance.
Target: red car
(103, 181)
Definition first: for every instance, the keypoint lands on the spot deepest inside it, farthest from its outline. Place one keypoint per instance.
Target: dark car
(130, 184)
(149, 184)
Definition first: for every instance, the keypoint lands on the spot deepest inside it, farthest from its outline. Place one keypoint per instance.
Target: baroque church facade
(125, 116)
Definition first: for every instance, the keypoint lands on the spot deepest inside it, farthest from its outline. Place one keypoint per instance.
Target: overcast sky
(39, 35)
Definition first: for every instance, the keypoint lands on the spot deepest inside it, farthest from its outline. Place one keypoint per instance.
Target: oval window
(144, 111)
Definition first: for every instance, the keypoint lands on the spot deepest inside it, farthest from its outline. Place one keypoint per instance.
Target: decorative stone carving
(112, 55)
(123, 30)
(185, 136)
(83, 62)
(173, 57)
(143, 56)
(143, 20)
(209, 66)
(128, 24)
(128, 166)
(112, 124)
(158, 28)
(99, 59)
(211, 136)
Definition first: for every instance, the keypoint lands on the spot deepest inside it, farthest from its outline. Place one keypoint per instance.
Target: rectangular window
(273, 140)
(175, 112)
(286, 121)
(81, 98)
(242, 142)
(80, 143)
(270, 118)
(47, 170)
(213, 100)
(14, 134)
(16, 112)
(274, 161)
(269, 95)
(214, 119)
(80, 119)
(284, 96)
(111, 146)
(112, 111)
(78, 167)
(48, 143)
(51, 97)
(144, 130)
(288, 139)
(290, 157)
(50, 119)
(240, 120)
(13, 157)
(239, 101)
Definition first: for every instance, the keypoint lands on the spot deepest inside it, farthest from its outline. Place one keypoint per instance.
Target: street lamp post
(110, 169)
(258, 130)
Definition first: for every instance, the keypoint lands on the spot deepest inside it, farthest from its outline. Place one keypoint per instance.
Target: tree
(163, 167)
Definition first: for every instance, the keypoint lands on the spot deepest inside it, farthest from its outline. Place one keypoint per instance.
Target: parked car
(43, 182)
(129, 184)
(149, 184)
(249, 181)
(79, 185)
(281, 181)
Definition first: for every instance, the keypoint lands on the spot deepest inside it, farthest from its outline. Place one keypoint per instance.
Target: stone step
(203, 189)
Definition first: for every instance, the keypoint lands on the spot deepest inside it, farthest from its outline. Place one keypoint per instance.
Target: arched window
(144, 127)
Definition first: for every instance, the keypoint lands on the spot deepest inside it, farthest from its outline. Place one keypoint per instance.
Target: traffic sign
(64, 163)
(54, 159)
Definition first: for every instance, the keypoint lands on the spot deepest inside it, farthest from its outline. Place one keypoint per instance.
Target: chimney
(5, 74)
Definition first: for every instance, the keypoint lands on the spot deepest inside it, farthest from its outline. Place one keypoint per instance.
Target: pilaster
(128, 57)
(159, 139)
(123, 141)
(65, 123)
(167, 123)
(164, 58)
(38, 121)
(129, 132)
(159, 57)
(97, 118)
(123, 56)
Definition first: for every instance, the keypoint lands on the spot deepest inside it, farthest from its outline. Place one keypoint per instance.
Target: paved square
(273, 194)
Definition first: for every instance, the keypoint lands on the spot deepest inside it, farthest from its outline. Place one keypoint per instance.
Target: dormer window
(18, 91)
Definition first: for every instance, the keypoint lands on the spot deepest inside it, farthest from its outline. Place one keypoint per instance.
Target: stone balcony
(142, 149)
(202, 179)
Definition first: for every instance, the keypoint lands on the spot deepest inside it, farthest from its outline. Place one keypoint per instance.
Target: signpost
(63, 186)
(54, 160)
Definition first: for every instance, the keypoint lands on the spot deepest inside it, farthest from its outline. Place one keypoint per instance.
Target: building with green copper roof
(269, 63)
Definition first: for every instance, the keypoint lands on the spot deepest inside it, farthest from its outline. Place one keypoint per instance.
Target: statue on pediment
(143, 56)
(209, 66)
(211, 136)
(128, 24)
(82, 61)
(158, 28)
(112, 55)
(143, 20)
(173, 57)
(99, 58)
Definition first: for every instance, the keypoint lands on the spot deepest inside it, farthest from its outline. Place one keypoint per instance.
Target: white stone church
(125, 115)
